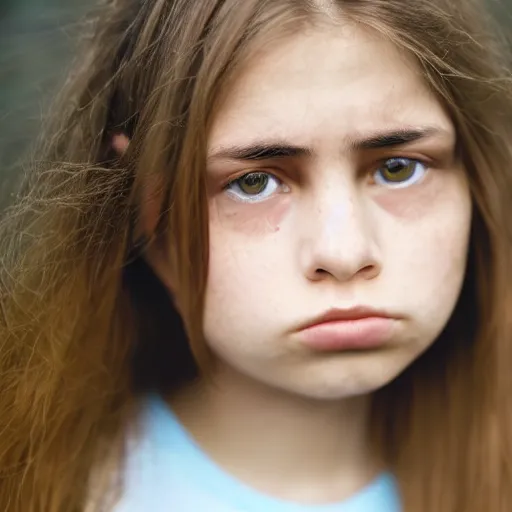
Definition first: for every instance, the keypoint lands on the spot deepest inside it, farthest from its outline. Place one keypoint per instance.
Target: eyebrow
(396, 138)
(262, 151)
(281, 149)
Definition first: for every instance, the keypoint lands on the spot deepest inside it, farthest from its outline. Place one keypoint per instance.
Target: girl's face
(333, 184)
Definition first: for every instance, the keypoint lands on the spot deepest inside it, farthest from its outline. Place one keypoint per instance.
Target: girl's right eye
(254, 187)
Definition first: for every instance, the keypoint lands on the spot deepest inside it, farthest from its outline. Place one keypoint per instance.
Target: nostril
(369, 271)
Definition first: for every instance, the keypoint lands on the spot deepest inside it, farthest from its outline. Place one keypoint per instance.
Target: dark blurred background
(37, 40)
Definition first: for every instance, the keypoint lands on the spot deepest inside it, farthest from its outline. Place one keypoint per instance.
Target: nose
(340, 238)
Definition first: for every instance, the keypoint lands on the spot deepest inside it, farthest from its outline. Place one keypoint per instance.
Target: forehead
(329, 81)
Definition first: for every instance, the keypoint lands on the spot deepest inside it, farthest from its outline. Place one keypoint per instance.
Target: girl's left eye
(254, 187)
(399, 172)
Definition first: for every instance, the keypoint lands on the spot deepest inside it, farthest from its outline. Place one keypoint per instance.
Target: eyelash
(420, 164)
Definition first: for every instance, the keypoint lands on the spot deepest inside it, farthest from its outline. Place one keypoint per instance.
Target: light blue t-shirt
(168, 472)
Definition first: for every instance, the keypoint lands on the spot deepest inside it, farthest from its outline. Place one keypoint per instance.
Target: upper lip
(355, 313)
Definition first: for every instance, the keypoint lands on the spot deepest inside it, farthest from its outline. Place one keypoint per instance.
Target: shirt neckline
(174, 442)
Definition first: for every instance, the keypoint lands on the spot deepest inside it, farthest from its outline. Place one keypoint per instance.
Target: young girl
(265, 266)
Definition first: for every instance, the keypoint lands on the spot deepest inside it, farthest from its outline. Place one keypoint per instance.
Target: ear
(157, 253)
(120, 143)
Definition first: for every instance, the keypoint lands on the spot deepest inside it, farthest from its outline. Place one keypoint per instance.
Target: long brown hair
(86, 329)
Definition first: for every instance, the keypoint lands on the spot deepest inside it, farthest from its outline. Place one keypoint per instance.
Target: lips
(359, 328)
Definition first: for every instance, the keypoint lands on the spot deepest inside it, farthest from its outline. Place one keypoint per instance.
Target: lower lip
(360, 334)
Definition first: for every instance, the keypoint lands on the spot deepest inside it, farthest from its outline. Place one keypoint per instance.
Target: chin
(344, 379)
(328, 391)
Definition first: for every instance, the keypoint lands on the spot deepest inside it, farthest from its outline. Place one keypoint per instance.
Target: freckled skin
(335, 239)
(260, 219)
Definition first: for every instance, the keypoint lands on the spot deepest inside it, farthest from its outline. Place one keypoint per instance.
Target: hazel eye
(254, 183)
(254, 187)
(400, 172)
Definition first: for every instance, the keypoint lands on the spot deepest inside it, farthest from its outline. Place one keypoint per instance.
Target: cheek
(245, 255)
(427, 222)
(242, 238)
(240, 289)
(413, 203)
(426, 257)
(257, 219)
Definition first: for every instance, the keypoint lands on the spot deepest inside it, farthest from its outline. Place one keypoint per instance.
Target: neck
(282, 444)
